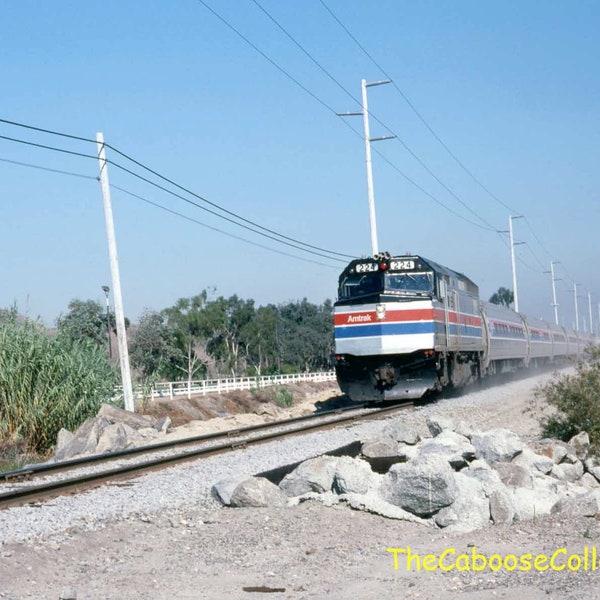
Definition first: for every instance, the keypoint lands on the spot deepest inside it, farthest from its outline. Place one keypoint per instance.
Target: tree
(152, 351)
(86, 319)
(503, 297)
(186, 323)
(306, 334)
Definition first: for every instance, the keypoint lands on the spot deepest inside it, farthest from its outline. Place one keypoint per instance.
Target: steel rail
(65, 465)
(87, 481)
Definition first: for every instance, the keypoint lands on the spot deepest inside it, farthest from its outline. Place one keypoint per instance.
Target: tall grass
(47, 383)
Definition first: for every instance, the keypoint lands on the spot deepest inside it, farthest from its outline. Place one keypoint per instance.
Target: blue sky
(512, 89)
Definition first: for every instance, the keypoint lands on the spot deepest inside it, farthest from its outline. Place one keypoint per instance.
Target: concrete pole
(590, 307)
(576, 307)
(116, 280)
(370, 192)
(554, 304)
(512, 259)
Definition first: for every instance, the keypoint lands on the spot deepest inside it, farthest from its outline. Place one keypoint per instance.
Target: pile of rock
(112, 429)
(454, 476)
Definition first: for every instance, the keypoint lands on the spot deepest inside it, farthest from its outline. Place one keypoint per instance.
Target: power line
(314, 96)
(155, 173)
(59, 171)
(296, 243)
(414, 109)
(231, 235)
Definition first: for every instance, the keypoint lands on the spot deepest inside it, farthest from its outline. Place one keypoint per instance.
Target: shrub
(47, 383)
(576, 398)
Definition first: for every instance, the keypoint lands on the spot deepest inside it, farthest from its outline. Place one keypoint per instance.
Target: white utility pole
(576, 306)
(368, 140)
(554, 280)
(116, 280)
(512, 258)
(590, 306)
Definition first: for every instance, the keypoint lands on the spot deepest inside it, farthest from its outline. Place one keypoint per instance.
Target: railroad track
(94, 471)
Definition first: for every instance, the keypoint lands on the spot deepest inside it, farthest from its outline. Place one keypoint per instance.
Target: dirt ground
(308, 551)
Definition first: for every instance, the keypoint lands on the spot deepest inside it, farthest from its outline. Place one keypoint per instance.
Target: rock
(513, 475)
(382, 447)
(589, 481)
(531, 503)
(471, 508)
(455, 448)
(118, 415)
(163, 424)
(497, 445)
(436, 424)
(313, 475)
(581, 444)
(256, 492)
(381, 453)
(63, 438)
(84, 440)
(584, 505)
(591, 466)
(422, 486)
(502, 510)
(533, 461)
(407, 452)
(115, 437)
(556, 450)
(223, 490)
(567, 471)
(401, 432)
(352, 475)
(268, 409)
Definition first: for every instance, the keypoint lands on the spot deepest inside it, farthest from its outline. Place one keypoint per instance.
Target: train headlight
(380, 312)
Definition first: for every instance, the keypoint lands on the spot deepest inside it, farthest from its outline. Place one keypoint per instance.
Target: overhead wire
(221, 231)
(348, 93)
(263, 231)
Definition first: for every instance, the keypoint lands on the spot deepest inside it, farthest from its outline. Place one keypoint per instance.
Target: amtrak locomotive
(405, 325)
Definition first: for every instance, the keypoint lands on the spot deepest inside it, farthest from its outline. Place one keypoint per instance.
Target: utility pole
(576, 306)
(554, 280)
(116, 280)
(590, 307)
(368, 139)
(512, 258)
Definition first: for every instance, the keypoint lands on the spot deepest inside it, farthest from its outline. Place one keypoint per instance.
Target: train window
(420, 284)
(360, 284)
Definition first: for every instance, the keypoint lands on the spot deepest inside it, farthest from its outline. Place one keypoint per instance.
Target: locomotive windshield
(355, 285)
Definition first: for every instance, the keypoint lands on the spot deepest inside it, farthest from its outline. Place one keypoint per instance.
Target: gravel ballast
(163, 536)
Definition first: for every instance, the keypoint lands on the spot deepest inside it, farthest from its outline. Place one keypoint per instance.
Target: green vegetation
(47, 382)
(230, 337)
(576, 399)
(503, 296)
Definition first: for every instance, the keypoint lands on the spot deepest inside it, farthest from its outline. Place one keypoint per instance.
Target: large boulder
(453, 447)
(422, 486)
(223, 490)
(471, 508)
(84, 441)
(118, 415)
(401, 432)
(497, 445)
(313, 475)
(583, 505)
(256, 492)
(352, 475)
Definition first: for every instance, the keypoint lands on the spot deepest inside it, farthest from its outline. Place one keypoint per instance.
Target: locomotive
(405, 325)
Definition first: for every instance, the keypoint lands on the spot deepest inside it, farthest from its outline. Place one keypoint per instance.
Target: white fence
(172, 389)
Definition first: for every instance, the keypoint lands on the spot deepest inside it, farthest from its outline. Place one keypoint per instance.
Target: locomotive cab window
(419, 284)
(360, 284)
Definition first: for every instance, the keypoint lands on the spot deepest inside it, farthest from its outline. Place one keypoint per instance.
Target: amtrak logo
(359, 318)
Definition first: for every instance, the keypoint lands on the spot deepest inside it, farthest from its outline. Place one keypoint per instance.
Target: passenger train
(405, 325)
